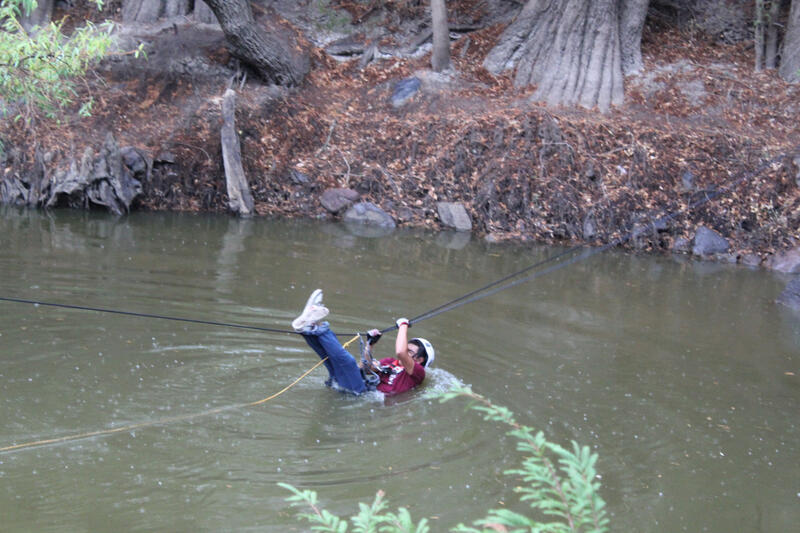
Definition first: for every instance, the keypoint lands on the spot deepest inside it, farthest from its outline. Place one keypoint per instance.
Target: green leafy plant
(39, 67)
(370, 518)
(560, 485)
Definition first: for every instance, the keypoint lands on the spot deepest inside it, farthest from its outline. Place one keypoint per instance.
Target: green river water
(683, 376)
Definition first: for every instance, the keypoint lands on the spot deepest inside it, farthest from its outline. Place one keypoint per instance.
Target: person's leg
(344, 367)
(313, 341)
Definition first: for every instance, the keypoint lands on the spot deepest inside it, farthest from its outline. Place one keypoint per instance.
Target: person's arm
(401, 346)
(373, 336)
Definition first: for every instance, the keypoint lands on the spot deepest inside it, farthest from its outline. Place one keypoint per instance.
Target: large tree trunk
(440, 60)
(571, 49)
(773, 29)
(759, 35)
(274, 59)
(631, 23)
(790, 56)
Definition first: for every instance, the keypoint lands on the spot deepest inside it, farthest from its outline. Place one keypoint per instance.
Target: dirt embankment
(696, 120)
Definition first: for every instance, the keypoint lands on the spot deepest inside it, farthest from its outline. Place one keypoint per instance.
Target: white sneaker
(313, 312)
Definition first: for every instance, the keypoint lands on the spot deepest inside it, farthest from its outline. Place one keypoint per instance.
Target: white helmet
(428, 347)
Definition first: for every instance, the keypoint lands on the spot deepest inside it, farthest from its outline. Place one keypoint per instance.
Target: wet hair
(421, 352)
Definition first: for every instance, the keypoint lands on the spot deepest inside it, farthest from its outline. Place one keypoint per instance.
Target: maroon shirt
(399, 380)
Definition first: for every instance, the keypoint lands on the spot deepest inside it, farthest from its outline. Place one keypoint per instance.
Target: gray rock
(404, 91)
(336, 200)
(454, 215)
(708, 242)
(790, 297)
(369, 214)
(787, 261)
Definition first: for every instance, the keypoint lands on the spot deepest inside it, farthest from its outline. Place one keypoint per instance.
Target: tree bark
(274, 60)
(773, 29)
(440, 59)
(790, 55)
(240, 200)
(759, 36)
(571, 49)
(631, 23)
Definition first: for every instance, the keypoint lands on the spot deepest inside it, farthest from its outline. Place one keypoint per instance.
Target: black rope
(484, 291)
(149, 315)
(472, 296)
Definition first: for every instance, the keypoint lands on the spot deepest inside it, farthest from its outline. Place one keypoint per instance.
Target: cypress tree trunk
(274, 59)
(790, 55)
(773, 25)
(440, 59)
(631, 23)
(571, 49)
(759, 36)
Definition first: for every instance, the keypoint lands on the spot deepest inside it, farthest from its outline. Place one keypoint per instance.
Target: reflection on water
(681, 375)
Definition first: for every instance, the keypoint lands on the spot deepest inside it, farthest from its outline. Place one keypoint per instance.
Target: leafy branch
(560, 485)
(39, 67)
(563, 487)
(370, 518)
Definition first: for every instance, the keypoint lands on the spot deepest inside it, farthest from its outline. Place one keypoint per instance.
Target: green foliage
(560, 485)
(370, 518)
(39, 68)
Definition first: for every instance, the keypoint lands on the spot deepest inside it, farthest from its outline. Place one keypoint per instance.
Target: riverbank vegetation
(696, 114)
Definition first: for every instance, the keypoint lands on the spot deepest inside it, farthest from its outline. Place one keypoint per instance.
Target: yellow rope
(166, 420)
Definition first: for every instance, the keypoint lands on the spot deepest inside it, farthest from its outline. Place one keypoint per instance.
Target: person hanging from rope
(391, 375)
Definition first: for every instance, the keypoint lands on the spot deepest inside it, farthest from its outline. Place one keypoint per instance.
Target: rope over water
(162, 421)
(501, 284)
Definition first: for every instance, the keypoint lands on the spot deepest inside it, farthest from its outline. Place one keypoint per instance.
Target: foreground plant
(39, 68)
(560, 486)
(370, 518)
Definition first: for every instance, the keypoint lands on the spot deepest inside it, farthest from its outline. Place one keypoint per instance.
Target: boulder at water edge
(336, 200)
(708, 242)
(454, 215)
(370, 214)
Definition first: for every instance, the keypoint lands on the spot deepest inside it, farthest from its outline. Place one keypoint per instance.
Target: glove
(401, 321)
(373, 336)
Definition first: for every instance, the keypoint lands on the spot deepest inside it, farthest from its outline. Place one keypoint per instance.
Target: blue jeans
(341, 366)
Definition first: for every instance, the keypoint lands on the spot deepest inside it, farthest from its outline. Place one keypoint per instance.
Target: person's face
(413, 351)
